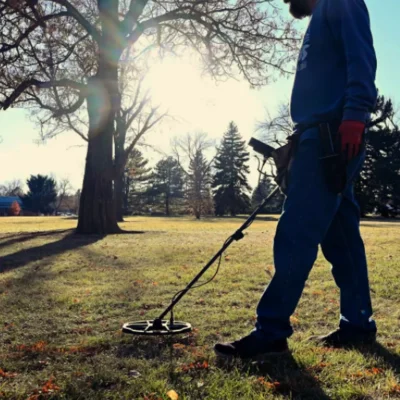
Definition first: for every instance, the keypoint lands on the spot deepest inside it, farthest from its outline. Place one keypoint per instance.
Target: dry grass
(63, 299)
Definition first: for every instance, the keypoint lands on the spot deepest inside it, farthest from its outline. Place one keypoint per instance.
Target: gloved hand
(351, 133)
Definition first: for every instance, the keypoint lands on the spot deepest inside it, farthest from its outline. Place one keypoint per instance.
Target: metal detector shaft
(236, 236)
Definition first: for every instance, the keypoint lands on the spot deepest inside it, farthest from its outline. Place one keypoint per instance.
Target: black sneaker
(250, 347)
(346, 338)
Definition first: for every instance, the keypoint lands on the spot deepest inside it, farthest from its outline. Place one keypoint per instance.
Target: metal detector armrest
(260, 147)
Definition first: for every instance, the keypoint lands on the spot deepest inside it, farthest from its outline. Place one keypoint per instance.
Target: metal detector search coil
(156, 327)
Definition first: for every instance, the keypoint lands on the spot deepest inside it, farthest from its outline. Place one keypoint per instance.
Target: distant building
(5, 204)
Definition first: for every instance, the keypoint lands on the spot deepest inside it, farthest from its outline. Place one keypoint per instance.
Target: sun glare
(177, 85)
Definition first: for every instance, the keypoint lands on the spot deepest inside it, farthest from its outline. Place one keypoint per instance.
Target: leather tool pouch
(283, 158)
(333, 162)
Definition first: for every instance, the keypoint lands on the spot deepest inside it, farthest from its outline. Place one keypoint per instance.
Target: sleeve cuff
(356, 115)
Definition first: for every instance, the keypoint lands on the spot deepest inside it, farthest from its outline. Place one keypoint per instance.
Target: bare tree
(135, 117)
(59, 55)
(12, 188)
(63, 189)
(275, 130)
(189, 152)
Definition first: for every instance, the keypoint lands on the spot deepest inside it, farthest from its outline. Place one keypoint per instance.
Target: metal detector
(161, 326)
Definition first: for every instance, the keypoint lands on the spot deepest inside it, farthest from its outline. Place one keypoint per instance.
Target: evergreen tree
(263, 189)
(136, 183)
(380, 177)
(168, 181)
(199, 185)
(41, 195)
(230, 181)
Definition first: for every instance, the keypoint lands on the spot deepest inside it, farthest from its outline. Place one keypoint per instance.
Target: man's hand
(351, 133)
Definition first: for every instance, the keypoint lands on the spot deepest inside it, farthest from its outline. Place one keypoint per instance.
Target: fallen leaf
(375, 371)
(268, 385)
(317, 292)
(395, 389)
(195, 366)
(49, 386)
(4, 374)
(172, 395)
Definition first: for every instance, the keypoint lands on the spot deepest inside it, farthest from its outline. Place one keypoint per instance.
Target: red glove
(351, 133)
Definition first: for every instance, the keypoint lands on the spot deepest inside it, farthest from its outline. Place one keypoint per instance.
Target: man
(334, 83)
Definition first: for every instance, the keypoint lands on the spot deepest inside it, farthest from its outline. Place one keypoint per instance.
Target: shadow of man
(285, 376)
(380, 352)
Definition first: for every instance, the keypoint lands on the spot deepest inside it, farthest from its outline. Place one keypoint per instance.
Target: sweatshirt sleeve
(352, 25)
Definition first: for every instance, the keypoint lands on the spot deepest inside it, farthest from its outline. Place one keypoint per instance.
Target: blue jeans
(312, 216)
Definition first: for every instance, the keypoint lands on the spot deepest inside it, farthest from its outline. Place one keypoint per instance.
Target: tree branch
(136, 8)
(74, 13)
(7, 47)
(40, 84)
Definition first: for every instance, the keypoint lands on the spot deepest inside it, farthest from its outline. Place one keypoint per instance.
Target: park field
(64, 298)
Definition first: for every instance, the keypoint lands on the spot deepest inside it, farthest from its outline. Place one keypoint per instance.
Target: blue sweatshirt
(335, 78)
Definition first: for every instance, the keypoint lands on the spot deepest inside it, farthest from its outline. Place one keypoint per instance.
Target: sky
(197, 104)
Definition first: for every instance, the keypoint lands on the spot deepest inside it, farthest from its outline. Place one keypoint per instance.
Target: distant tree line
(191, 181)
(45, 196)
(195, 180)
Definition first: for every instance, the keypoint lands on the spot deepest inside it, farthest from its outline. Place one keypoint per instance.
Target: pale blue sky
(200, 104)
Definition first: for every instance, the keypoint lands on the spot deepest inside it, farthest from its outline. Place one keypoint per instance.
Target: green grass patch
(64, 298)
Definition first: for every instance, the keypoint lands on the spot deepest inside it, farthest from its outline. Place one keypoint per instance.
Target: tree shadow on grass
(68, 242)
(378, 351)
(285, 376)
(22, 237)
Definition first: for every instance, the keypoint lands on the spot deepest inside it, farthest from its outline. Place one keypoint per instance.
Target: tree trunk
(119, 196)
(167, 205)
(97, 207)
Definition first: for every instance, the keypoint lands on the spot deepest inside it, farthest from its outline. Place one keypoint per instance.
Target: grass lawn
(64, 298)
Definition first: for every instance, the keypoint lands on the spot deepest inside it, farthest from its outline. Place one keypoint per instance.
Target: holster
(283, 158)
(333, 163)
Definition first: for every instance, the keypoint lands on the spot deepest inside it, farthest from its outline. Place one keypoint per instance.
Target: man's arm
(350, 22)
(356, 38)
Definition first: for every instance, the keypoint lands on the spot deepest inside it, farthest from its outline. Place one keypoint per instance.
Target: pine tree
(168, 181)
(41, 195)
(379, 179)
(136, 183)
(199, 185)
(230, 181)
(263, 189)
